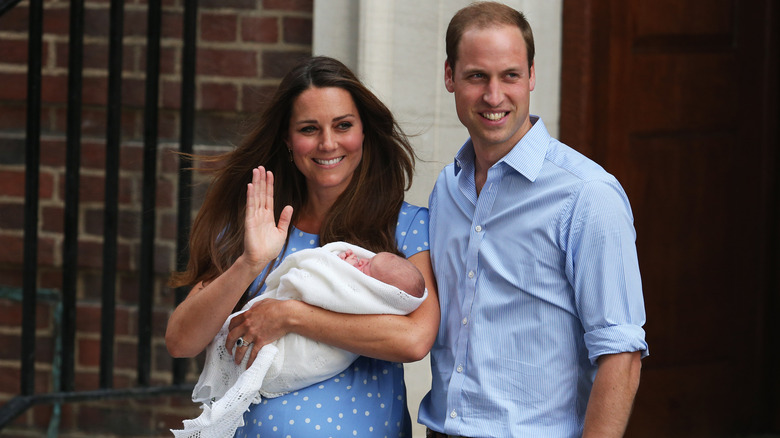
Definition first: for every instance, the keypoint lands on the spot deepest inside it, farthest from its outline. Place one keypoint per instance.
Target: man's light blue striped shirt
(538, 277)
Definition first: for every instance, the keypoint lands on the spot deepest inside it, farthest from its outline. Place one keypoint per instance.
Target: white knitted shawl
(318, 277)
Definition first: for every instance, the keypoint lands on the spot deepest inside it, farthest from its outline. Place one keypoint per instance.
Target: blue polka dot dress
(368, 399)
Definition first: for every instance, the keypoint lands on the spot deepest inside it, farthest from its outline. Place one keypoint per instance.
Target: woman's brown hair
(365, 214)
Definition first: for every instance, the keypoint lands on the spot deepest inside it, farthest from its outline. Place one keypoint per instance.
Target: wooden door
(678, 99)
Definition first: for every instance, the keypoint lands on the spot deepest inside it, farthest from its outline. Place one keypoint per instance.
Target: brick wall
(244, 47)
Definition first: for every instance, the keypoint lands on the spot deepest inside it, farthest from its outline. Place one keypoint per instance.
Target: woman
(333, 166)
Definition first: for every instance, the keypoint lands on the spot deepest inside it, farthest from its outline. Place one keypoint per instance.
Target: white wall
(397, 49)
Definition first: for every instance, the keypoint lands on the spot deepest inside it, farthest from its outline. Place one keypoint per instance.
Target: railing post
(146, 267)
(72, 164)
(186, 141)
(110, 210)
(32, 172)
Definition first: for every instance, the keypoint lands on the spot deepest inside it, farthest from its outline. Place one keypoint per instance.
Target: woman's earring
(289, 150)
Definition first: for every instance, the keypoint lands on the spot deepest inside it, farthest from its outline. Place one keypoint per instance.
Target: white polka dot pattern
(366, 400)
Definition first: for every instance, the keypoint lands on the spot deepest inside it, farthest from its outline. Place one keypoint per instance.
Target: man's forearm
(612, 396)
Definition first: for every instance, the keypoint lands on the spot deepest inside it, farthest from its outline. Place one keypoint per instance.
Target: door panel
(678, 99)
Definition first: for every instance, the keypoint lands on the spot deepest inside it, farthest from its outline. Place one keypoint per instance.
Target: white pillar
(397, 48)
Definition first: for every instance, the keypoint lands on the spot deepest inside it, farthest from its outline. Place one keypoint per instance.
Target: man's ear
(532, 77)
(448, 77)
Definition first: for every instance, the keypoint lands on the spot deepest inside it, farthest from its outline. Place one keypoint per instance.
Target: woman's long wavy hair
(365, 214)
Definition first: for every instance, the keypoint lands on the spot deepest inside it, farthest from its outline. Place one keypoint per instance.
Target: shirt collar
(526, 157)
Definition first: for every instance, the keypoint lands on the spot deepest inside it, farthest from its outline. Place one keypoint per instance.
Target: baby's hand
(345, 254)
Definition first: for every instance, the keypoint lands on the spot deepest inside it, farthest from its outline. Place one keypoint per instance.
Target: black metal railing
(65, 391)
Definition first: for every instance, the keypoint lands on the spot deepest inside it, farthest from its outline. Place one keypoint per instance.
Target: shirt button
(453, 414)
(460, 368)
(478, 228)
(471, 274)
(465, 321)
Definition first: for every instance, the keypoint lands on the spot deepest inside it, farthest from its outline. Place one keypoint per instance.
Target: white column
(397, 48)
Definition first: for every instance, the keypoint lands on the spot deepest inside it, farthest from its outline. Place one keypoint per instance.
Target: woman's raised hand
(263, 238)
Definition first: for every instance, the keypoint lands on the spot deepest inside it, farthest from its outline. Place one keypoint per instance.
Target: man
(533, 247)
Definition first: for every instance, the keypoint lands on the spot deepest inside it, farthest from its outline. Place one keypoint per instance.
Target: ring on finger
(242, 343)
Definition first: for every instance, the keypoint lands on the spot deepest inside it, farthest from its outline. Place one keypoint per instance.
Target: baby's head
(397, 271)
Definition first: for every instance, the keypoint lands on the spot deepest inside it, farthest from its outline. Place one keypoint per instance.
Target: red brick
(128, 293)
(126, 355)
(96, 22)
(222, 97)
(162, 361)
(122, 320)
(218, 27)
(12, 183)
(85, 381)
(11, 276)
(56, 21)
(127, 191)
(46, 248)
(93, 155)
(168, 226)
(133, 92)
(54, 89)
(289, 5)
(44, 349)
(168, 128)
(228, 63)
(169, 160)
(95, 90)
(216, 128)
(10, 314)
(160, 322)
(96, 55)
(125, 259)
(11, 216)
(135, 21)
(16, 19)
(67, 416)
(88, 320)
(10, 346)
(172, 24)
(13, 249)
(9, 379)
(91, 188)
(232, 4)
(88, 352)
(254, 98)
(297, 30)
(129, 226)
(52, 218)
(14, 86)
(42, 415)
(277, 63)
(90, 255)
(166, 194)
(171, 94)
(13, 117)
(260, 29)
(50, 279)
(12, 151)
(131, 158)
(169, 59)
(164, 259)
(53, 151)
(13, 51)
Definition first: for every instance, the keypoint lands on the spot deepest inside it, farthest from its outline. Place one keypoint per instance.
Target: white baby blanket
(318, 277)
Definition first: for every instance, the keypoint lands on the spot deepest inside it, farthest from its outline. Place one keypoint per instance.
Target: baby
(383, 283)
(389, 268)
